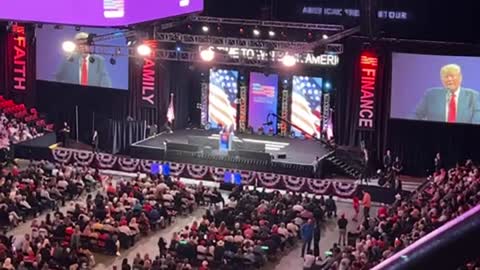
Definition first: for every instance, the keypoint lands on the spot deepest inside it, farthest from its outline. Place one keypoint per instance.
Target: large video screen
(435, 88)
(262, 101)
(306, 105)
(222, 97)
(83, 66)
(95, 12)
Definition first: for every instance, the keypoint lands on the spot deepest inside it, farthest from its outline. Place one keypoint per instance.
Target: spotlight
(58, 26)
(77, 28)
(242, 31)
(113, 61)
(205, 29)
(271, 33)
(69, 46)
(325, 36)
(256, 32)
(328, 85)
(289, 60)
(285, 81)
(118, 51)
(207, 55)
(144, 50)
(178, 46)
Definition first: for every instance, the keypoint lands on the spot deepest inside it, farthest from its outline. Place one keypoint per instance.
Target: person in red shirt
(356, 207)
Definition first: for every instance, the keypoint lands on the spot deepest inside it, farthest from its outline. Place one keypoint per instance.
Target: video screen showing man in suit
(83, 67)
(435, 88)
(451, 103)
(89, 62)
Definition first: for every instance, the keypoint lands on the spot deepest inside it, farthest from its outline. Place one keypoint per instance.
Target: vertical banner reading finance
(368, 76)
(306, 109)
(262, 101)
(222, 97)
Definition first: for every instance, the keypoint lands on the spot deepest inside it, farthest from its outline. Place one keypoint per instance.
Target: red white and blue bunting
(202, 172)
(106, 161)
(83, 158)
(62, 155)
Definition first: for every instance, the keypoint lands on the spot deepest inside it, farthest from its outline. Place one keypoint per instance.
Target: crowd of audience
(252, 228)
(107, 221)
(13, 131)
(446, 196)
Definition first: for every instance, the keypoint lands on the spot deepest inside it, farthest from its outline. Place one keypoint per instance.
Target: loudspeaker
(368, 17)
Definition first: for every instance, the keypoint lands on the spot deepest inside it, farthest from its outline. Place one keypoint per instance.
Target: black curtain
(123, 133)
(347, 100)
(185, 85)
(415, 142)
(59, 101)
(181, 79)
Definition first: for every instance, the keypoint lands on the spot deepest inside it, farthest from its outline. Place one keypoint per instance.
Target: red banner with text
(19, 64)
(368, 77)
(150, 80)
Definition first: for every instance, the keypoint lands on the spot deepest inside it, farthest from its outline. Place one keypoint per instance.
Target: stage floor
(298, 151)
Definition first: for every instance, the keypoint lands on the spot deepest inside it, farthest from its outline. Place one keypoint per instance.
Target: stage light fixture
(241, 30)
(325, 36)
(271, 33)
(144, 50)
(207, 55)
(69, 46)
(77, 28)
(205, 29)
(118, 51)
(328, 85)
(256, 32)
(113, 61)
(285, 81)
(289, 60)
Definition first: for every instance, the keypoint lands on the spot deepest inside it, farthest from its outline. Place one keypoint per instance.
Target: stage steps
(344, 164)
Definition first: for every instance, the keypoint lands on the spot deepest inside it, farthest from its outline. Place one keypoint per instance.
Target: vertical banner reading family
(149, 77)
(368, 76)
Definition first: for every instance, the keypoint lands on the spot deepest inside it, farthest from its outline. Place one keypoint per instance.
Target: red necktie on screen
(84, 77)
(452, 109)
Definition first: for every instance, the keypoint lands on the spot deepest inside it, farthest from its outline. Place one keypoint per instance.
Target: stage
(265, 153)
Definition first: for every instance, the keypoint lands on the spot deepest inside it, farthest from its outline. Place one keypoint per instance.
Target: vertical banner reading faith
(18, 51)
(368, 76)
(262, 101)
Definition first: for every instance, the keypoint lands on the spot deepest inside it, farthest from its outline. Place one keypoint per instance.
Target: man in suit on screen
(451, 103)
(83, 67)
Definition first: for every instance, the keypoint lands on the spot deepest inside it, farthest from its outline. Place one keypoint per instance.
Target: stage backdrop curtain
(8, 49)
(123, 133)
(177, 78)
(137, 109)
(347, 102)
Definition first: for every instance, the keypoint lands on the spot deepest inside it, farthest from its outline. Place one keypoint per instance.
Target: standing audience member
(342, 230)
(367, 203)
(307, 235)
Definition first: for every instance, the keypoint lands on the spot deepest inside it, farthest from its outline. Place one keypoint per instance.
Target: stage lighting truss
(268, 24)
(331, 48)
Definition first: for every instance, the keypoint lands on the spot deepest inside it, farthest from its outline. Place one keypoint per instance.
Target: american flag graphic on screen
(223, 90)
(306, 105)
